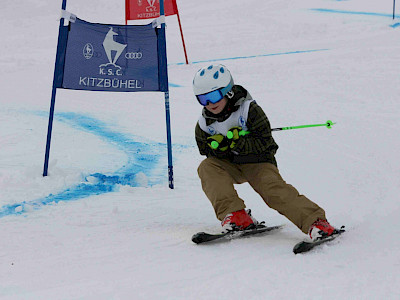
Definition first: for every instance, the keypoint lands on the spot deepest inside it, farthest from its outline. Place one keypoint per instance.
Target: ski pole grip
(214, 145)
(229, 134)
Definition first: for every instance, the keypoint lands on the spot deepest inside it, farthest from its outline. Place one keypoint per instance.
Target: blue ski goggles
(214, 96)
(211, 97)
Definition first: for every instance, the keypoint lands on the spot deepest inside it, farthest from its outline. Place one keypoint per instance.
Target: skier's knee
(204, 166)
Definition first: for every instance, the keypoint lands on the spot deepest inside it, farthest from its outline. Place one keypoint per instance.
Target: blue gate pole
(53, 99)
(168, 121)
(166, 94)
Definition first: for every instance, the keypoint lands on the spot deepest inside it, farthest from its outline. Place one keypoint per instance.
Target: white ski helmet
(212, 78)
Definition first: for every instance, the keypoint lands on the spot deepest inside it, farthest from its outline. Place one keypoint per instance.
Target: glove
(218, 142)
(234, 134)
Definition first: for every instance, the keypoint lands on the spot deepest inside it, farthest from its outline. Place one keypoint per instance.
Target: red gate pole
(180, 27)
(126, 11)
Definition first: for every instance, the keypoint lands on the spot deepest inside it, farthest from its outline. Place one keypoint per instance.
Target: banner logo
(151, 7)
(88, 51)
(110, 45)
(133, 55)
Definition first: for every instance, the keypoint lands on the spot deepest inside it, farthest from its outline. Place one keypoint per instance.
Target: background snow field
(105, 225)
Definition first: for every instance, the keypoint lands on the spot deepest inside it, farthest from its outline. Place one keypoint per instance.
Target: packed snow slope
(105, 225)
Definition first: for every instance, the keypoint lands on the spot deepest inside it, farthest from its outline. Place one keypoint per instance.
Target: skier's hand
(233, 135)
(218, 142)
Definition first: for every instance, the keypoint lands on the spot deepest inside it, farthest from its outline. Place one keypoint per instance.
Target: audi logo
(133, 55)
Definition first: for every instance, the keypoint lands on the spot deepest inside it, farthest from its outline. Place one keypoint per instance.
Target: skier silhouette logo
(151, 2)
(151, 8)
(88, 51)
(110, 45)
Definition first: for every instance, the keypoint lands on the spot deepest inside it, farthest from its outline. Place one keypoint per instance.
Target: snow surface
(105, 225)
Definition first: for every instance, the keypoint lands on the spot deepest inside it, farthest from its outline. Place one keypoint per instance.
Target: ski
(203, 237)
(306, 246)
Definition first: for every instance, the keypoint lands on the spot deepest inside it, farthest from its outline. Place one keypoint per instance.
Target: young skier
(235, 135)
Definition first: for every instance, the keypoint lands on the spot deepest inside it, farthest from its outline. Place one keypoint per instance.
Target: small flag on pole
(150, 9)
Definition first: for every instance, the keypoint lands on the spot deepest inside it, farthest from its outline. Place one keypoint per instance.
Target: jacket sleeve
(201, 140)
(259, 144)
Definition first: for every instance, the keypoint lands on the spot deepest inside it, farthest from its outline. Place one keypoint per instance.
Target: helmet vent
(216, 74)
(202, 72)
(222, 70)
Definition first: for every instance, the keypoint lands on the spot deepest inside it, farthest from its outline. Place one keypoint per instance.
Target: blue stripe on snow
(173, 85)
(251, 56)
(143, 158)
(351, 12)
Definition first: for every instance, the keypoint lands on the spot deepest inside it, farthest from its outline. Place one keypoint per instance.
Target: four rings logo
(133, 55)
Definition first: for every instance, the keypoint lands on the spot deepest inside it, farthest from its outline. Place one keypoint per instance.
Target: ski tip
(299, 248)
(197, 238)
(306, 246)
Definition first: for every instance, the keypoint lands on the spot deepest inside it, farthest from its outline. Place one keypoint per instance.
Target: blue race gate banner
(114, 58)
(117, 58)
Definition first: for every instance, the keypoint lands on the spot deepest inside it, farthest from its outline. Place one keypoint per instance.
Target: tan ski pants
(218, 177)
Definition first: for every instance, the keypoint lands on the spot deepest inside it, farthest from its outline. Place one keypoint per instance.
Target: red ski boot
(238, 220)
(320, 228)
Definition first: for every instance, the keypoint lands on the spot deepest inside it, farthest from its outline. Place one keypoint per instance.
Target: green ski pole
(328, 124)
